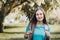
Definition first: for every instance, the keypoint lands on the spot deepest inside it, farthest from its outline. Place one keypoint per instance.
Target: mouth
(40, 18)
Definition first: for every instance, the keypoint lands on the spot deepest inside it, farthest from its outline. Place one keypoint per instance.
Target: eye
(40, 13)
(37, 14)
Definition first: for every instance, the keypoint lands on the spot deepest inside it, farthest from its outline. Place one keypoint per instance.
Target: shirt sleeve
(27, 28)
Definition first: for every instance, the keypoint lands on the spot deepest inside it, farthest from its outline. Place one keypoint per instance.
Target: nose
(39, 16)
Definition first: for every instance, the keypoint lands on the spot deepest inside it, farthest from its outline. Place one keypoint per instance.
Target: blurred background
(15, 16)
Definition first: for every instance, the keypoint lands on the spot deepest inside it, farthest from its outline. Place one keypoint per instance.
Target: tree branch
(15, 5)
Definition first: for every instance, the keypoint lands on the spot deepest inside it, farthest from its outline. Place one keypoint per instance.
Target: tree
(6, 7)
(29, 7)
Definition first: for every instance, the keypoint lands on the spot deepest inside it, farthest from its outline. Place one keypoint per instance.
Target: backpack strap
(47, 34)
(46, 27)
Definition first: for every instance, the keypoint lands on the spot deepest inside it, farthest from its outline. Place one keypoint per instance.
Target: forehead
(39, 11)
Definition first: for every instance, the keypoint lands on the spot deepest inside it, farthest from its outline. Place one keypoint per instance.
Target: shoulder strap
(29, 26)
(46, 27)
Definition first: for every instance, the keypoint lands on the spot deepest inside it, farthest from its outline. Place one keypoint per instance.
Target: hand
(47, 33)
(25, 36)
(29, 32)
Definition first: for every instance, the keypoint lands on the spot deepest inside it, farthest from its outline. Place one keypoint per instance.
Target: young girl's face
(39, 15)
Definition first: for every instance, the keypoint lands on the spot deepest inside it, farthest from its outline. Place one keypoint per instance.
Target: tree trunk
(1, 27)
(1, 21)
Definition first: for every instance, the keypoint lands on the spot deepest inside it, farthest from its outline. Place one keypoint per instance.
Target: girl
(41, 28)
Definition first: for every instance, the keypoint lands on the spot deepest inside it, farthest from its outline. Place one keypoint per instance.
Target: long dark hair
(33, 20)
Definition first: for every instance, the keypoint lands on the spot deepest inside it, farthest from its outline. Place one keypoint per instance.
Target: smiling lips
(39, 17)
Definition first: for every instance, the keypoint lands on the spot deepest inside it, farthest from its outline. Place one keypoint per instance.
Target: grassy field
(17, 32)
(55, 32)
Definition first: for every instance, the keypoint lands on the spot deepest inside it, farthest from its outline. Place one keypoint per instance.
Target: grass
(17, 32)
(55, 32)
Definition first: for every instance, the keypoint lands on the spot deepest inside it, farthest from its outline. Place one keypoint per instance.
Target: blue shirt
(39, 32)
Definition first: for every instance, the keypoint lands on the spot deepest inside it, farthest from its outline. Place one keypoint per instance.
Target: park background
(15, 16)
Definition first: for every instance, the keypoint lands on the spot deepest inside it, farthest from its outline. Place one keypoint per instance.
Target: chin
(40, 20)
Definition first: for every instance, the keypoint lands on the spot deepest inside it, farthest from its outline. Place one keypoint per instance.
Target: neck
(39, 23)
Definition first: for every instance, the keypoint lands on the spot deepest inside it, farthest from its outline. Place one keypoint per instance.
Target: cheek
(42, 16)
(37, 17)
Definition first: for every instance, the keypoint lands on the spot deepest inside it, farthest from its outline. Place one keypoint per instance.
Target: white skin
(39, 17)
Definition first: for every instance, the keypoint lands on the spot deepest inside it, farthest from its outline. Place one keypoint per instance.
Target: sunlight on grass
(17, 33)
